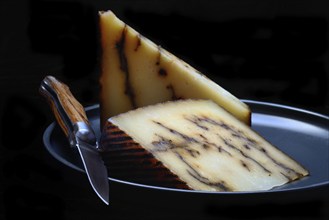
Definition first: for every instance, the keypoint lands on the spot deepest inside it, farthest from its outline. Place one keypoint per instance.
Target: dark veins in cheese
(120, 46)
(139, 42)
(164, 144)
(124, 66)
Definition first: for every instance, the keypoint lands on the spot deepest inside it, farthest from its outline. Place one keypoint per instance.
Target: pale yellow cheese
(136, 72)
(207, 147)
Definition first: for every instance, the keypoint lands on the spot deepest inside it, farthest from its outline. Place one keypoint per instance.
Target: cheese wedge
(135, 72)
(193, 144)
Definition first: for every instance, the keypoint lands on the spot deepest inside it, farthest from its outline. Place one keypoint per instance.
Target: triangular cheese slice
(136, 72)
(193, 142)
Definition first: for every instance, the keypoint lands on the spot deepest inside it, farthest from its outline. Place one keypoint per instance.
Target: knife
(73, 120)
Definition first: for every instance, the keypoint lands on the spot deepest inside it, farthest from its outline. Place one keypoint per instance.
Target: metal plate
(301, 134)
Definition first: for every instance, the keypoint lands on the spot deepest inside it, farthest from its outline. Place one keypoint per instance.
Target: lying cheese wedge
(193, 144)
(135, 72)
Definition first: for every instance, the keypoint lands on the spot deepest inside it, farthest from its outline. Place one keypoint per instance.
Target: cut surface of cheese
(195, 142)
(135, 72)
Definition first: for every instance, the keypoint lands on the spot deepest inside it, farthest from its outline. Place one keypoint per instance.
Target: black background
(274, 51)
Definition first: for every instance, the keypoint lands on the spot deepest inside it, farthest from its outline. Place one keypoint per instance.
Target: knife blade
(73, 120)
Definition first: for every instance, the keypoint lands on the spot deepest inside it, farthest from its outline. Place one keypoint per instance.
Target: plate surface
(301, 134)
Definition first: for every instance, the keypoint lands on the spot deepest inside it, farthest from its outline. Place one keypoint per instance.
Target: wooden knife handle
(67, 110)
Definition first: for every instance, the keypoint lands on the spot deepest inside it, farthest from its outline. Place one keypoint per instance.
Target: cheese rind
(136, 72)
(199, 143)
(126, 160)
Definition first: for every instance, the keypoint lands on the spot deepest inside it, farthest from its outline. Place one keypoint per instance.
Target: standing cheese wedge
(136, 72)
(193, 144)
